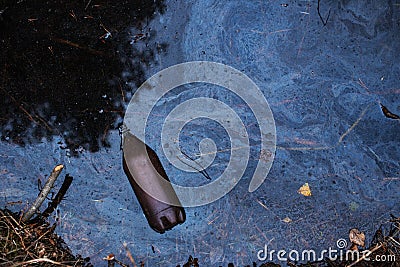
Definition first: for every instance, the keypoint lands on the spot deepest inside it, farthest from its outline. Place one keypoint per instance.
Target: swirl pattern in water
(242, 33)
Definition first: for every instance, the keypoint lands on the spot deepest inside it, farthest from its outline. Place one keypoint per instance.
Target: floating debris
(389, 114)
(305, 190)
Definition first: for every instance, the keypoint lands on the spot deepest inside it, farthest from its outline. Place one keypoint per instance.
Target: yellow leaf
(305, 190)
(287, 220)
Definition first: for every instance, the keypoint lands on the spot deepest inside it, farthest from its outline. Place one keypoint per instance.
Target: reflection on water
(61, 69)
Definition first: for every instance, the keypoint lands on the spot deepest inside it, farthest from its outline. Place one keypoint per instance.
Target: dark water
(323, 84)
(62, 68)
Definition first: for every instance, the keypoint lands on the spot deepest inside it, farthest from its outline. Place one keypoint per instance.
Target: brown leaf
(357, 237)
(389, 114)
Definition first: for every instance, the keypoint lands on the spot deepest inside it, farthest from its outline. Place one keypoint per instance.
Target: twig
(129, 255)
(60, 195)
(88, 4)
(84, 48)
(319, 14)
(378, 246)
(201, 170)
(14, 223)
(30, 117)
(40, 260)
(43, 194)
(111, 260)
(365, 255)
(122, 91)
(354, 124)
(341, 138)
(51, 229)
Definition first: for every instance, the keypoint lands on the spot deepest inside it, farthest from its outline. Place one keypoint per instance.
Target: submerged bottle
(144, 171)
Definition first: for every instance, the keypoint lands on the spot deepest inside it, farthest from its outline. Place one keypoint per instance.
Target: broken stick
(43, 194)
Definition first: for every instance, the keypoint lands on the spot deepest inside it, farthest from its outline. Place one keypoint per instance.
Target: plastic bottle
(142, 166)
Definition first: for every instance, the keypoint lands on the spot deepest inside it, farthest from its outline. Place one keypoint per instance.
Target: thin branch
(354, 124)
(34, 243)
(88, 4)
(30, 116)
(40, 260)
(76, 45)
(60, 195)
(129, 254)
(365, 255)
(201, 170)
(43, 194)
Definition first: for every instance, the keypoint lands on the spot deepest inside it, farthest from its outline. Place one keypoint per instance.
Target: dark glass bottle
(142, 164)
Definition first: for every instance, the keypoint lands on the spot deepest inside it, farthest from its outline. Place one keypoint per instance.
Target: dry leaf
(389, 114)
(305, 190)
(357, 237)
(287, 220)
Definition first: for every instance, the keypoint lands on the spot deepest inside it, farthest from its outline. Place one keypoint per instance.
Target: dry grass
(33, 244)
